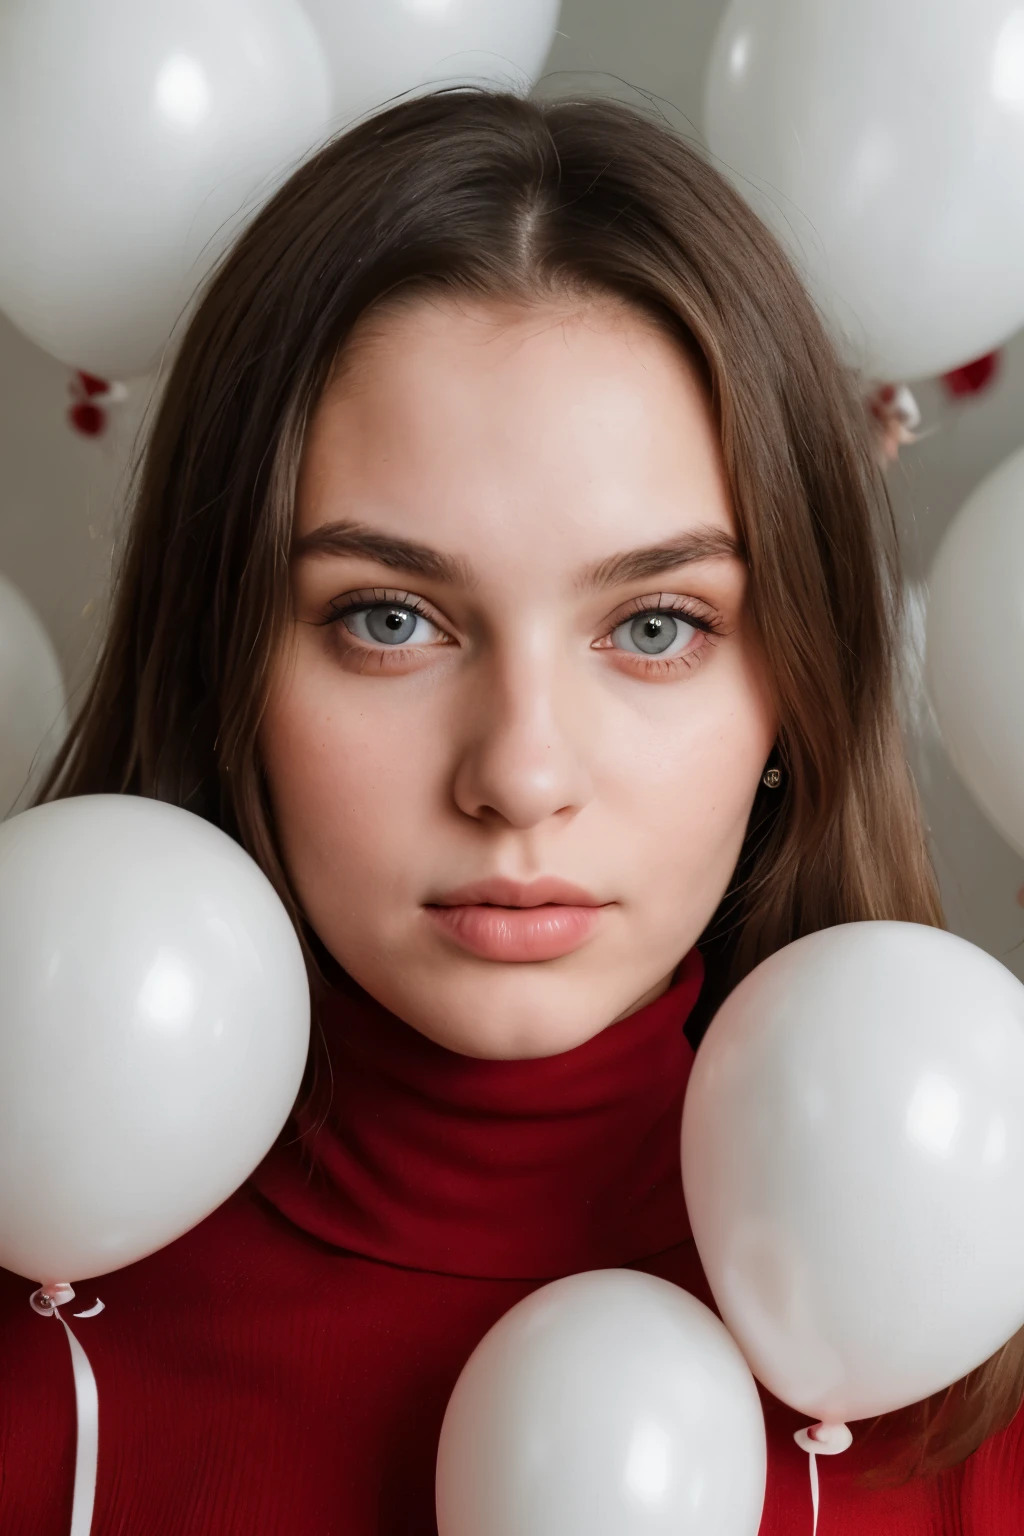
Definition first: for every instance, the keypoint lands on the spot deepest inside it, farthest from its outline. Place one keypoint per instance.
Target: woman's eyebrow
(703, 543)
(408, 555)
(345, 538)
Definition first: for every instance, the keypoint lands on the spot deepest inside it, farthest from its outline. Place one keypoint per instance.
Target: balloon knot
(48, 1298)
(896, 417)
(92, 397)
(91, 383)
(824, 1439)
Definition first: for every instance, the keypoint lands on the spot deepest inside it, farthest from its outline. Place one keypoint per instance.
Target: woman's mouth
(542, 932)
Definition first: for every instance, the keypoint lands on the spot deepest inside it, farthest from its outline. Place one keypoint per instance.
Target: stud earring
(772, 778)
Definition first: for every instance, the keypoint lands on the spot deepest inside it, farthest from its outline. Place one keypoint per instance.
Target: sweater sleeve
(993, 1489)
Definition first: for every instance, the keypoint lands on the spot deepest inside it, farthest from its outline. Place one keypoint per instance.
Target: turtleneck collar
(524, 1169)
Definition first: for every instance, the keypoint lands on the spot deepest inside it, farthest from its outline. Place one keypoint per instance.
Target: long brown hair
(491, 195)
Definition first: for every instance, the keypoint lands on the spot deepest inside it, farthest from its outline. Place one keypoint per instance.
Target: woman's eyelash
(340, 608)
(369, 653)
(685, 608)
(343, 607)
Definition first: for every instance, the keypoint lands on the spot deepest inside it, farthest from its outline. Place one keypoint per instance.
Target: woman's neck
(417, 1156)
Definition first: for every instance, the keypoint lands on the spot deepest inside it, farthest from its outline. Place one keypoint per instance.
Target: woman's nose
(523, 757)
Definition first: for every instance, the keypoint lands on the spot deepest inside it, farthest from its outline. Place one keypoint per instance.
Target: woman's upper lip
(501, 892)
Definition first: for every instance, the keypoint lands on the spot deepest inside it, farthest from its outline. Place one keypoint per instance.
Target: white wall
(61, 495)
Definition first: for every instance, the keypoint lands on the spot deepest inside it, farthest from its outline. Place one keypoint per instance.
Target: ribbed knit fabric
(283, 1369)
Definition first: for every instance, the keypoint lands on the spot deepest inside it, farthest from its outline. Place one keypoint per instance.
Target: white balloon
(883, 141)
(393, 46)
(154, 1026)
(606, 1404)
(853, 1160)
(32, 702)
(135, 134)
(975, 645)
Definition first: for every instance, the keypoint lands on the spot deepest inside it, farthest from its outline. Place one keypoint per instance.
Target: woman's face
(520, 655)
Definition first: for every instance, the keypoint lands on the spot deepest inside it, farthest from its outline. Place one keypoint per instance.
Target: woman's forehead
(481, 427)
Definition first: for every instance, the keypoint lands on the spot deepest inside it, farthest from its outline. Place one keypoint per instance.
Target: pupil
(395, 620)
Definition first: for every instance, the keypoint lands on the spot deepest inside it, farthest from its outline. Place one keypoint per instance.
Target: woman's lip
(501, 891)
(517, 933)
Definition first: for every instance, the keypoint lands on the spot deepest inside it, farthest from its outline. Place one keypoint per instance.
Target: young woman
(511, 575)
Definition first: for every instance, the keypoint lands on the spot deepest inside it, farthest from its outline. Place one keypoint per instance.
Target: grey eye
(654, 633)
(389, 624)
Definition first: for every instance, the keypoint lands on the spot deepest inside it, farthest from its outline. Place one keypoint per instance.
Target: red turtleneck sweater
(283, 1369)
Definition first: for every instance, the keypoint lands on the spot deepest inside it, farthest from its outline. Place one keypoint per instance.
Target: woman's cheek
(700, 773)
(348, 778)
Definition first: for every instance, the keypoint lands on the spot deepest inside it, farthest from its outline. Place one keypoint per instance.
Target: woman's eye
(390, 624)
(656, 633)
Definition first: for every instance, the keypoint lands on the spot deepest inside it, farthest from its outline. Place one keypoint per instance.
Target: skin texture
(519, 730)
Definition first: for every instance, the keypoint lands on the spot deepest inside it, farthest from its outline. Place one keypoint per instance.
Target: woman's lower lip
(518, 933)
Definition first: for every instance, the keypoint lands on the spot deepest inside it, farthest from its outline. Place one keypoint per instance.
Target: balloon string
(47, 1301)
(812, 1462)
(821, 1440)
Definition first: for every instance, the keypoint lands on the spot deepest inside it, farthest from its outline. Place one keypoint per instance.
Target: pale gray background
(63, 495)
